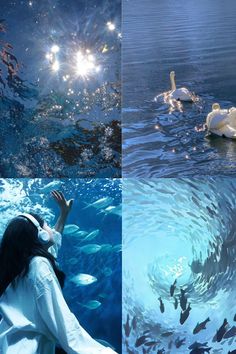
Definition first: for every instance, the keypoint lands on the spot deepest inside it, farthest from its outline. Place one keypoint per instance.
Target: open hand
(64, 205)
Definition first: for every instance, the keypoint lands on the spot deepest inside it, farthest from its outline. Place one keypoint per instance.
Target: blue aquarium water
(198, 41)
(60, 88)
(184, 230)
(97, 305)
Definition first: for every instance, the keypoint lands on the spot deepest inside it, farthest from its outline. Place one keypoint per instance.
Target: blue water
(18, 195)
(67, 113)
(168, 224)
(198, 41)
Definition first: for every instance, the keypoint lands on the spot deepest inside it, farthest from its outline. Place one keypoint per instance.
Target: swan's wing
(182, 94)
(216, 120)
(232, 117)
(226, 131)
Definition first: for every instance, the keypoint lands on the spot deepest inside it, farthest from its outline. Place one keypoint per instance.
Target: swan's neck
(172, 81)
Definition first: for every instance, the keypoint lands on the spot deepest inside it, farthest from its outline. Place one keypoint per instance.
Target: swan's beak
(172, 73)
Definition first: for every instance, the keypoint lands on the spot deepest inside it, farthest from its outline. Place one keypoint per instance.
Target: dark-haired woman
(34, 313)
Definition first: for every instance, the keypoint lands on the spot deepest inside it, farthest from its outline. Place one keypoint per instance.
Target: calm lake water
(198, 41)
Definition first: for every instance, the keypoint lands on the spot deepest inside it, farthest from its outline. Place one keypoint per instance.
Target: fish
(176, 303)
(179, 342)
(170, 344)
(184, 315)
(221, 331)
(91, 305)
(103, 295)
(201, 326)
(70, 229)
(166, 334)
(183, 300)
(161, 351)
(197, 345)
(235, 317)
(100, 203)
(116, 210)
(107, 271)
(106, 247)
(230, 333)
(162, 307)
(50, 186)
(82, 279)
(232, 351)
(127, 327)
(92, 235)
(141, 340)
(90, 248)
(134, 322)
(117, 248)
(200, 350)
(172, 288)
(79, 234)
(152, 343)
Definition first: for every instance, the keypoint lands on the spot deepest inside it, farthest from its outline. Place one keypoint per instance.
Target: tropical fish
(90, 248)
(172, 288)
(51, 186)
(100, 203)
(162, 307)
(151, 343)
(235, 317)
(91, 305)
(103, 295)
(83, 279)
(201, 326)
(161, 351)
(91, 235)
(70, 229)
(184, 315)
(73, 261)
(127, 327)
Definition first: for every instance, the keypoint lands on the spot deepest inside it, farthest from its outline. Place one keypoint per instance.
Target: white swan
(222, 122)
(180, 94)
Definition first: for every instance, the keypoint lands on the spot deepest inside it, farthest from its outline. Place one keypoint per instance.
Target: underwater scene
(90, 254)
(60, 88)
(178, 268)
(165, 137)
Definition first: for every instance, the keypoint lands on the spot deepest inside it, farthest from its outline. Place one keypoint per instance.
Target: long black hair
(20, 243)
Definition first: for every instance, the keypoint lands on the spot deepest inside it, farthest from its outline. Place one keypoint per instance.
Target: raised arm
(64, 206)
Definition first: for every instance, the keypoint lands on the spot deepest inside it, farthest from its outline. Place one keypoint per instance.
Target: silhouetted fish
(127, 327)
(172, 288)
(134, 322)
(183, 299)
(141, 340)
(162, 307)
(176, 303)
(235, 317)
(166, 334)
(230, 333)
(221, 331)
(179, 342)
(184, 315)
(200, 326)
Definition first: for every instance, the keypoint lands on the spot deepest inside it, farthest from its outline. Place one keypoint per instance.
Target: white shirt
(35, 316)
